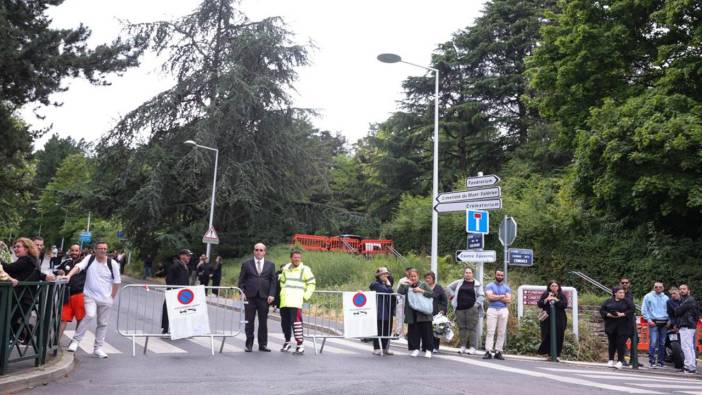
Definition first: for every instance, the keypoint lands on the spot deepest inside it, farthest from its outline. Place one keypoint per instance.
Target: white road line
(671, 386)
(351, 343)
(533, 373)
(633, 377)
(86, 344)
(157, 346)
(280, 338)
(205, 342)
(691, 392)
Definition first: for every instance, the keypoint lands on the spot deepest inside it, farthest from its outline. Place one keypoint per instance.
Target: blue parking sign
(477, 221)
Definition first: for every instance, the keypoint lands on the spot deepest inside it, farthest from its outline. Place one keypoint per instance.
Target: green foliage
(49, 158)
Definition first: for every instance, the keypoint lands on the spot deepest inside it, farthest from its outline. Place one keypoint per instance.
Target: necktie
(258, 267)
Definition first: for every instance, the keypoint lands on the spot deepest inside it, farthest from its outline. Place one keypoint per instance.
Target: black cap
(185, 251)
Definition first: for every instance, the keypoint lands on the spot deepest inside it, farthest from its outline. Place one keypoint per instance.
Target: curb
(62, 365)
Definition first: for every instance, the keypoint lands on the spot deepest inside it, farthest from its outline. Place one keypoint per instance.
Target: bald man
(257, 284)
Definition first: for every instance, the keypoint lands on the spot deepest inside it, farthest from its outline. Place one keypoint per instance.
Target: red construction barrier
(337, 244)
(369, 246)
(311, 242)
(644, 337)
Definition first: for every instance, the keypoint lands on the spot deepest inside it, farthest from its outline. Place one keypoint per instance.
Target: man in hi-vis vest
(296, 287)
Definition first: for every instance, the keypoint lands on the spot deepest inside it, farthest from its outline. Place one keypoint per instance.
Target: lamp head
(190, 142)
(389, 58)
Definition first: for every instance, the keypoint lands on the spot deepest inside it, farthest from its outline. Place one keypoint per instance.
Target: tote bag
(420, 302)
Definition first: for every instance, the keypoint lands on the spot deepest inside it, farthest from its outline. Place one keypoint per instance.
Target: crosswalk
(646, 382)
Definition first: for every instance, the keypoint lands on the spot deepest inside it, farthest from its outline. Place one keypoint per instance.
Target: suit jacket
(252, 284)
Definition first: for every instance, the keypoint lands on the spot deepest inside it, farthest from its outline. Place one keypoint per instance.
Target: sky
(345, 82)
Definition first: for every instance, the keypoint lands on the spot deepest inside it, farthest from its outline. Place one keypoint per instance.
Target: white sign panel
(483, 181)
(210, 236)
(187, 312)
(475, 194)
(455, 207)
(476, 256)
(360, 314)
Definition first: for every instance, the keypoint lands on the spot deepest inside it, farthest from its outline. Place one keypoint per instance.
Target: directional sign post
(477, 221)
(508, 233)
(482, 181)
(472, 256)
(520, 257)
(473, 194)
(455, 207)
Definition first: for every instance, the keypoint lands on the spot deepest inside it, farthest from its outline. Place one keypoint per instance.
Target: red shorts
(74, 308)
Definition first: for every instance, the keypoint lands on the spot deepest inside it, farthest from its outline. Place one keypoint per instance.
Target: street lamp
(214, 186)
(393, 58)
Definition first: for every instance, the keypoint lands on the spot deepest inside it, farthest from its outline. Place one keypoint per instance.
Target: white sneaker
(388, 352)
(618, 365)
(73, 347)
(610, 363)
(414, 353)
(376, 352)
(99, 353)
(471, 351)
(427, 354)
(462, 350)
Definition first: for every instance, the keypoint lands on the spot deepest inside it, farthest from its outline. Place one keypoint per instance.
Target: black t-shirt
(466, 295)
(78, 280)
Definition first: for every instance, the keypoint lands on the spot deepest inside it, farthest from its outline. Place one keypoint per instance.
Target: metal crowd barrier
(30, 316)
(323, 317)
(140, 308)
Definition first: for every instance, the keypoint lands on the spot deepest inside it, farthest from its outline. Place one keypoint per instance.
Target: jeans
(94, 310)
(496, 322)
(148, 272)
(657, 340)
(687, 343)
(467, 321)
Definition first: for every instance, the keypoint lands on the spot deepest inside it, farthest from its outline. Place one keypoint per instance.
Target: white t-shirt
(98, 280)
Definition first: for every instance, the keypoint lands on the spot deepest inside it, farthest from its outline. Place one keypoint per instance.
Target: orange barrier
(644, 337)
(369, 246)
(311, 242)
(337, 244)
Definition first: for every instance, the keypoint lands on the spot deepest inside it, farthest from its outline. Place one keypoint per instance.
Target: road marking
(533, 373)
(634, 377)
(158, 346)
(671, 386)
(86, 344)
(205, 342)
(280, 338)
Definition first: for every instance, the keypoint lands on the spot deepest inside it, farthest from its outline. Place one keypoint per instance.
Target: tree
(55, 150)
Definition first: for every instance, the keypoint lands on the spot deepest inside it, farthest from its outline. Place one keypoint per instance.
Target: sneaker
(471, 351)
(498, 355)
(462, 350)
(610, 363)
(661, 365)
(435, 351)
(651, 365)
(376, 352)
(487, 355)
(99, 353)
(688, 371)
(300, 349)
(286, 347)
(414, 353)
(73, 346)
(388, 352)
(427, 354)
(618, 365)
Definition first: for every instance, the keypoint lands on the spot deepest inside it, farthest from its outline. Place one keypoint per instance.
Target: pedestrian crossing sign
(210, 236)
(477, 221)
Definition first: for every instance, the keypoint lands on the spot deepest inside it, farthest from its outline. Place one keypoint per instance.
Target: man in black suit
(257, 283)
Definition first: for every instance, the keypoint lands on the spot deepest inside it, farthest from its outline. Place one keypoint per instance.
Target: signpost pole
(481, 275)
(506, 261)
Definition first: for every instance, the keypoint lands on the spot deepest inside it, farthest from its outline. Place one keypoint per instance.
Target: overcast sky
(345, 82)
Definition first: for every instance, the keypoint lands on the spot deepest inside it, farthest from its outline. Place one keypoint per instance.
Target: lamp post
(214, 186)
(393, 58)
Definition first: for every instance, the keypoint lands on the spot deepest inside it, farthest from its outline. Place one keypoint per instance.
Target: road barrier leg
(212, 345)
(552, 334)
(134, 346)
(324, 341)
(221, 346)
(146, 344)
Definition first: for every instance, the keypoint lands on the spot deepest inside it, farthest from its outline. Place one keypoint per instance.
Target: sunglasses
(259, 249)
(624, 282)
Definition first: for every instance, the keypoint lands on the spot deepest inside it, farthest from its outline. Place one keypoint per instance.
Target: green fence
(30, 317)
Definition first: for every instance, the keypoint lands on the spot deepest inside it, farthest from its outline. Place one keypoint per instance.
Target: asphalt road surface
(345, 367)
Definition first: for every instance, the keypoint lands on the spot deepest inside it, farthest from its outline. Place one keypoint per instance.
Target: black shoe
(498, 355)
(286, 347)
(487, 355)
(264, 349)
(248, 348)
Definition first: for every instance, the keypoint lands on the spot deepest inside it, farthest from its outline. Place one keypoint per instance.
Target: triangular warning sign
(210, 236)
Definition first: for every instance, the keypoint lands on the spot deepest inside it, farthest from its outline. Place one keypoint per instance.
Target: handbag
(543, 315)
(420, 303)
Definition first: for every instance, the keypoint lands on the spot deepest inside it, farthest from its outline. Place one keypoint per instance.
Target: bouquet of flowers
(441, 326)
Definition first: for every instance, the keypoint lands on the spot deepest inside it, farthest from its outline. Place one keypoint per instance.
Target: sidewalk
(57, 368)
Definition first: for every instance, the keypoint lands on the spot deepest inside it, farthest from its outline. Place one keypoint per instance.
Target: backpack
(109, 265)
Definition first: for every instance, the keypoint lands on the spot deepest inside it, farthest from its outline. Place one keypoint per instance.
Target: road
(345, 367)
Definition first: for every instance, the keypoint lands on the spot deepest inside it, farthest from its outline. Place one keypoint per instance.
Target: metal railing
(30, 317)
(397, 254)
(323, 318)
(142, 306)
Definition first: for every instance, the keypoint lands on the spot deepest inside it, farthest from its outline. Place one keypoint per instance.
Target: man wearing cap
(177, 275)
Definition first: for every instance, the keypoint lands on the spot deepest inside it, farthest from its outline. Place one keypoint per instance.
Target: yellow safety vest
(296, 285)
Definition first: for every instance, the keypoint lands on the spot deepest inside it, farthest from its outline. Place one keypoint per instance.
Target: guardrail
(30, 317)
(141, 307)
